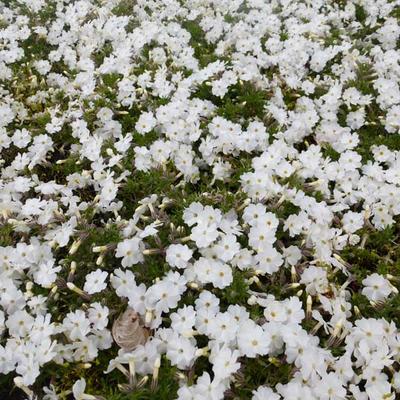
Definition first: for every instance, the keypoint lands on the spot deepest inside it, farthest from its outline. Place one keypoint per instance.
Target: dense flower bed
(199, 199)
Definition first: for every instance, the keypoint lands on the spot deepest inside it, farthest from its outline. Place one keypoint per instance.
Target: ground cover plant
(199, 199)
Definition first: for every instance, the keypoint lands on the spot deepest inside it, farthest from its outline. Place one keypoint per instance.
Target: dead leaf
(129, 331)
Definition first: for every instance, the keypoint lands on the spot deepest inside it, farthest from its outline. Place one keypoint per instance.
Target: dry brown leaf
(129, 331)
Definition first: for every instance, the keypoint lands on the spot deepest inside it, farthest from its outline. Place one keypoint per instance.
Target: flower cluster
(200, 198)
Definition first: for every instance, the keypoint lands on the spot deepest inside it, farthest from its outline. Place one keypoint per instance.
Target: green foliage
(203, 51)
(236, 292)
(381, 254)
(259, 371)
(6, 235)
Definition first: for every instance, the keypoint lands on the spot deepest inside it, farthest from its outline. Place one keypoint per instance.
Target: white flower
(95, 281)
(331, 388)
(21, 138)
(145, 123)
(252, 340)
(207, 300)
(315, 279)
(19, 323)
(206, 388)
(221, 275)
(181, 351)
(292, 255)
(50, 393)
(78, 390)
(377, 288)
(98, 315)
(225, 362)
(2, 319)
(211, 271)
(191, 214)
(227, 247)
(76, 325)
(131, 250)
(275, 311)
(178, 255)
(268, 260)
(265, 393)
(183, 320)
(223, 328)
(203, 234)
(123, 282)
(46, 274)
(162, 296)
(352, 221)
(381, 390)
